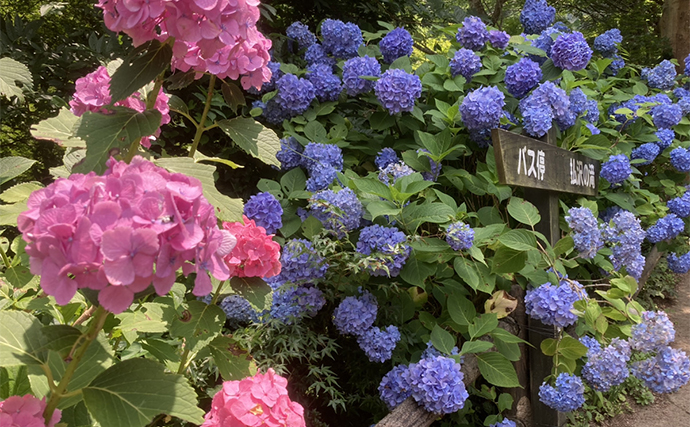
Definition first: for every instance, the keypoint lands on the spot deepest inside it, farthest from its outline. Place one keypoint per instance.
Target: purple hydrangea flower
(299, 32)
(396, 43)
(662, 76)
(545, 103)
(290, 154)
(272, 111)
(647, 151)
(665, 137)
(466, 63)
(355, 315)
(616, 169)
(537, 121)
(607, 367)
(323, 162)
(568, 395)
(378, 344)
(680, 205)
(586, 233)
(386, 157)
(473, 33)
(395, 387)
(238, 311)
(271, 84)
(580, 104)
(339, 212)
(668, 371)
(536, 15)
(505, 423)
(545, 43)
(341, 39)
(680, 159)
(315, 54)
(499, 39)
(592, 344)
(678, 264)
(388, 245)
(460, 236)
(294, 302)
(300, 262)
(327, 85)
(266, 211)
(397, 90)
(607, 43)
(665, 116)
(665, 228)
(391, 173)
(625, 235)
(571, 51)
(522, 77)
(655, 331)
(615, 66)
(483, 108)
(357, 67)
(687, 65)
(436, 384)
(294, 94)
(553, 304)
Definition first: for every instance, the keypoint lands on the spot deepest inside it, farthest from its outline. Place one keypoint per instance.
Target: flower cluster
(323, 162)
(290, 154)
(647, 152)
(481, 111)
(107, 232)
(378, 344)
(292, 302)
(300, 33)
(259, 400)
(294, 94)
(460, 236)
(387, 245)
(473, 33)
(341, 39)
(394, 387)
(571, 52)
(655, 331)
(607, 367)
(386, 157)
(505, 423)
(395, 44)
(665, 228)
(666, 372)
(536, 15)
(581, 105)
(26, 411)
(93, 94)
(686, 71)
(339, 212)
(393, 171)
(397, 90)
(545, 43)
(625, 235)
(266, 211)
(522, 77)
(465, 63)
(680, 159)
(616, 169)
(553, 304)
(315, 54)
(327, 86)
(237, 311)
(678, 264)
(546, 103)
(586, 232)
(357, 67)
(607, 43)
(301, 263)
(568, 395)
(355, 315)
(436, 384)
(499, 39)
(665, 116)
(210, 36)
(255, 254)
(665, 138)
(662, 76)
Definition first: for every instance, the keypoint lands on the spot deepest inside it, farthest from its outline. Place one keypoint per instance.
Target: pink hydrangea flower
(256, 254)
(261, 400)
(119, 233)
(25, 411)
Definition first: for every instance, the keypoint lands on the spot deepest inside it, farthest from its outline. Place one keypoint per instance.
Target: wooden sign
(527, 162)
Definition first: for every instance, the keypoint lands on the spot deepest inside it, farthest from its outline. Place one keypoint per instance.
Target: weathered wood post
(544, 170)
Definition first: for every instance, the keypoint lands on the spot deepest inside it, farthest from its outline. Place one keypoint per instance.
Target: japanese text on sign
(582, 174)
(536, 162)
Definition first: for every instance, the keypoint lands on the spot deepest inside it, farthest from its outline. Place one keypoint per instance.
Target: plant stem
(6, 260)
(90, 335)
(183, 361)
(150, 103)
(200, 126)
(217, 294)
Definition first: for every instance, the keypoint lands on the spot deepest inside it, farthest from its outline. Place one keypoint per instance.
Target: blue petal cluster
(581, 105)
(665, 228)
(272, 111)
(680, 205)
(607, 43)
(625, 235)
(435, 171)
(386, 157)
(290, 154)
(339, 212)
(616, 169)
(665, 116)
(323, 162)
(354, 68)
(647, 151)
(291, 303)
(665, 137)
(355, 315)
(571, 52)
(266, 211)
(668, 371)
(678, 264)
(662, 76)
(687, 65)
(238, 311)
(607, 367)
(393, 171)
(294, 94)
(396, 43)
(536, 15)
(586, 232)
(655, 331)
(316, 54)
(568, 395)
(545, 43)
(395, 387)
(473, 33)
(271, 84)
(545, 103)
(301, 263)
(299, 32)
(591, 343)
(505, 423)
(680, 159)
(460, 236)
(615, 66)
(397, 90)
(327, 86)
(499, 39)
(482, 109)
(522, 77)
(341, 39)
(436, 384)
(552, 305)
(388, 244)
(465, 63)
(378, 344)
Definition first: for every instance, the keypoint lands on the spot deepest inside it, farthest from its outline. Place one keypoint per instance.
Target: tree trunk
(675, 26)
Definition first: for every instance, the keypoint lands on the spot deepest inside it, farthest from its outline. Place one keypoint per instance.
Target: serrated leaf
(232, 95)
(227, 209)
(520, 240)
(13, 166)
(549, 346)
(106, 134)
(20, 192)
(11, 72)
(253, 289)
(316, 132)
(19, 276)
(233, 363)
(461, 310)
(507, 260)
(140, 67)
(379, 208)
(20, 339)
(253, 137)
(571, 348)
(497, 370)
(442, 339)
(147, 318)
(59, 129)
(132, 392)
(523, 211)
(198, 325)
(175, 103)
(199, 157)
(9, 213)
(415, 271)
(467, 271)
(483, 324)
(475, 347)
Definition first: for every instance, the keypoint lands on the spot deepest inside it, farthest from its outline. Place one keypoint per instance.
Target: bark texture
(675, 26)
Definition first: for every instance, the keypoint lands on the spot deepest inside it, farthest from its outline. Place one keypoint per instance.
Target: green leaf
(140, 67)
(132, 392)
(523, 211)
(505, 402)
(253, 137)
(373, 186)
(563, 246)
(510, 350)
(382, 207)
(403, 63)
(497, 370)
(200, 157)
(461, 310)
(233, 363)
(508, 260)
(9, 213)
(19, 276)
(415, 215)
(20, 192)
(315, 132)
(483, 324)
(59, 129)
(11, 72)
(20, 339)
(572, 348)
(105, 134)
(311, 227)
(415, 271)
(442, 339)
(254, 290)
(549, 346)
(198, 325)
(467, 271)
(227, 209)
(12, 167)
(475, 347)
(505, 336)
(429, 244)
(232, 95)
(520, 240)
(147, 318)
(294, 180)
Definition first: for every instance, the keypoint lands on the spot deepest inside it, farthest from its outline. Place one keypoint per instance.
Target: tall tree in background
(675, 26)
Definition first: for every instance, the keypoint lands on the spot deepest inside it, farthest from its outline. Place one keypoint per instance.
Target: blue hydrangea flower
(391, 173)
(655, 331)
(238, 311)
(593, 129)
(662, 76)
(680, 159)
(327, 86)
(687, 65)
(571, 51)
(580, 104)
(272, 111)
(386, 157)
(607, 367)
(586, 233)
(355, 315)
(615, 66)
(680, 205)
(266, 211)
(294, 94)
(665, 137)
(339, 212)
(536, 15)
(397, 90)
(568, 395)
(665, 228)
(388, 245)
(666, 116)
(553, 304)
(616, 169)
(684, 104)
(499, 39)
(341, 39)
(460, 236)
(290, 154)
(299, 32)
(545, 103)
(678, 264)
(545, 43)
(394, 387)
(301, 263)
(668, 371)
(291, 303)
(271, 84)
(323, 162)
(465, 63)
(607, 43)
(473, 33)
(505, 423)
(522, 77)
(320, 177)
(316, 54)
(625, 235)
(592, 344)
(482, 108)
(537, 121)
(396, 43)
(647, 151)
(436, 384)
(354, 68)
(378, 344)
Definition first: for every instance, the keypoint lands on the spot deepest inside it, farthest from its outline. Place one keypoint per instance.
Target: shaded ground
(668, 410)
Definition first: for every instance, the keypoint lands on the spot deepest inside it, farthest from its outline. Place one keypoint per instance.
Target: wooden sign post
(544, 170)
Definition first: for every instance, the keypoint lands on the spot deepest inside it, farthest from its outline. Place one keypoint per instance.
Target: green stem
(150, 104)
(217, 294)
(183, 361)
(200, 126)
(6, 260)
(90, 335)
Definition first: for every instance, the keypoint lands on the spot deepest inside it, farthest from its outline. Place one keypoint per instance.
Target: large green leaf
(437, 213)
(523, 211)
(520, 240)
(233, 363)
(415, 271)
(253, 137)
(59, 129)
(105, 134)
(461, 310)
(227, 209)
(11, 72)
(198, 325)
(139, 68)
(467, 271)
(12, 167)
(497, 370)
(483, 324)
(20, 192)
(132, 392)
(9, 213)
(442, 339)
(254, 290)
(507, 260)
(20, 339)
(147, 318)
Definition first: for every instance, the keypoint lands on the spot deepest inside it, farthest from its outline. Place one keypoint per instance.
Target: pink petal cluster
(93, 92)
(108, 232)
(261, 400)
(215, 36)
(256, 254)
(25, 411)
